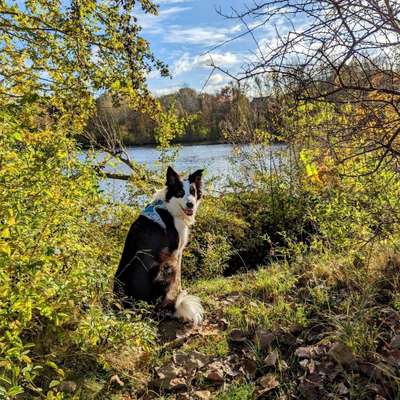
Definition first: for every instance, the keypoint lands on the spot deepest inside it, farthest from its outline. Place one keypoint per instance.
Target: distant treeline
(208, 115)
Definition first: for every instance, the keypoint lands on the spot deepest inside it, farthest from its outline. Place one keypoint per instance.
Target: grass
(236, 392)
(314, 300)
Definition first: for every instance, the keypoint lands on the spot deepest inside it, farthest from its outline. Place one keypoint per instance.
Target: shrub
(58, 249)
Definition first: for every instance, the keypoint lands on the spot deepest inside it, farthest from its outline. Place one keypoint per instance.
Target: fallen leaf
(309, 351)
(215, 376)
(250, 367)
(202, 395)
(263, 339)
(168, 372)
(271, 359)
(342, 389)
(267, 382)
(395, 342)
(342, 354)
(237, 336)
(177, 384)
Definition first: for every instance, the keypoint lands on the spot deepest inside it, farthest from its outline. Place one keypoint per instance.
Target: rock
(263, 339)
(115, 379)
(395, 342)
(342, 354)
(342, 389)
(271, 359)
(267, 382)
(237, 336)
(68, 386)
(202, 395)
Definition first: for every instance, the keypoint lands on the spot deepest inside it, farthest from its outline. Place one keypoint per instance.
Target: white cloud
(186, 62)
(217, 79)
(166, 90)
(152, 23)
(206, 36)
(216, 82)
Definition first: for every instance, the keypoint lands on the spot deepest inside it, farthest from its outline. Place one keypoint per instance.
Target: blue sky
(185, 30)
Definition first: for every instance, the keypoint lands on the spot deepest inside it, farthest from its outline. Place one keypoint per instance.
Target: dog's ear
(196, 179)
(172, 177)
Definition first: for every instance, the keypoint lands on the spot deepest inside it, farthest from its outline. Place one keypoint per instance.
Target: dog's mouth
(188, 211)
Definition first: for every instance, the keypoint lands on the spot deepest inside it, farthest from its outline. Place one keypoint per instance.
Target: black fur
(139, 265)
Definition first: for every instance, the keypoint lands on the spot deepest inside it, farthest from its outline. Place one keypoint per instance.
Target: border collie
(151, 261)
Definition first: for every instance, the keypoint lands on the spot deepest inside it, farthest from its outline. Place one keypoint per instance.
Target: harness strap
(151, 213)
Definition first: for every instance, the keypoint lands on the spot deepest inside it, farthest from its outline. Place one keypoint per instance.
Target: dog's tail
(189, 308)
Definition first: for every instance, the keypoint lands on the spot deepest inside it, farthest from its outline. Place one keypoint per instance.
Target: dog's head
(183, 195)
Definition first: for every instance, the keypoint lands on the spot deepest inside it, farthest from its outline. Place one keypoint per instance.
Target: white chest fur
(183, 232)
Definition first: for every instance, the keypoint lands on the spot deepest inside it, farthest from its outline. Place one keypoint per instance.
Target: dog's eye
(180, 193)
(192, 191)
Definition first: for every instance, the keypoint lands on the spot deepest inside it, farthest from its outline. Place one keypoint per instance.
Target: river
(216, 159)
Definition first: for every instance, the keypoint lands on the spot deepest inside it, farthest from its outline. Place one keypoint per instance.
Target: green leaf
(15, 390)
(54, 383)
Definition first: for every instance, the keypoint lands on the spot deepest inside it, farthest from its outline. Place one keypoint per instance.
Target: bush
(58, 250)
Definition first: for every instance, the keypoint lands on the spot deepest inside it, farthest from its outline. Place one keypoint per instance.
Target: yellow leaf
(5, 234)
(5, 249)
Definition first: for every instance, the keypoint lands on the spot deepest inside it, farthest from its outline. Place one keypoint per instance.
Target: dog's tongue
(188, 211)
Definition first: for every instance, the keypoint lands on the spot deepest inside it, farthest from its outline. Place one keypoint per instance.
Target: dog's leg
(175, 286)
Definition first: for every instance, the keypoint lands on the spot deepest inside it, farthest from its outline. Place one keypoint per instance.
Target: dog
(150, 265)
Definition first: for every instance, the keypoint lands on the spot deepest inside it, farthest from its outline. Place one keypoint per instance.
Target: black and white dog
(158, 237)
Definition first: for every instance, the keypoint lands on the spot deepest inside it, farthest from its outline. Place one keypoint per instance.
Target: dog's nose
(189, 204)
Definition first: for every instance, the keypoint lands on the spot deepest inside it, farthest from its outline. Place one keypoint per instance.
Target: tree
(339, 52)
(60, 55)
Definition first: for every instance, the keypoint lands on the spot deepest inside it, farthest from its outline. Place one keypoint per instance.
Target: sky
(183, 33)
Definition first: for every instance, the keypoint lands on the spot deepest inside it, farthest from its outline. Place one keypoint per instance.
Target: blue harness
(151, 213)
